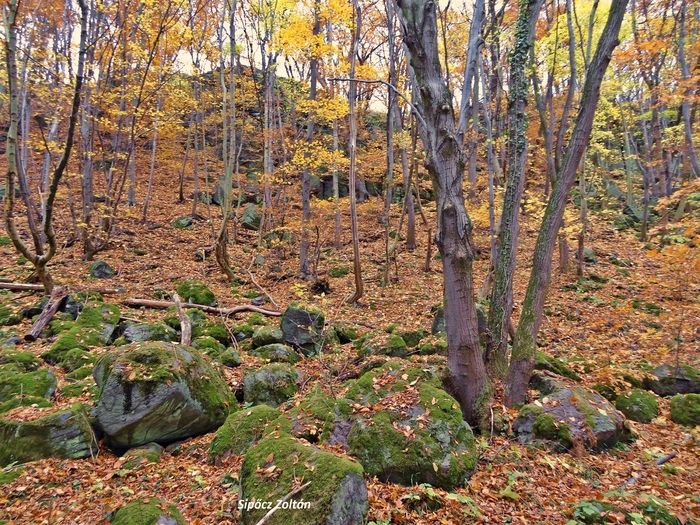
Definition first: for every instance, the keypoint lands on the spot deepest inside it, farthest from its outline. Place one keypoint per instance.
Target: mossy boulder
(336, 493)
(63, 434)
(555, 365)
(94, 326)
(148, 512)
(158, 331)
(159, 392)
(302, 327)
(267, 335)
(342, 332)
(24, 360)
(101, 270)
(250, 219)
(80, 374)
(78, 388)
(381, 343)
(194, 291)
(15, 380)
(415, 432)
(212, 329)
(243, 429)
(208, 345)
(272, 384)
(196, 316)
(24, 401)
(433, 344)
(669, 380)
(685, 409)
(75, 358)
(276, 353)
(318, 415)
(638, 405)
(571, 415)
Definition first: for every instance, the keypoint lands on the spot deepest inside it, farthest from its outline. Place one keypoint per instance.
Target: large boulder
(318, 415)
(148, 512)
(414, 433)
(93, 327)
(669, 380)
(158, 331)
(15, 380)
(276, 353)
(272, 384)
(159, 392)
(302, 327)
(243, 429)
(250, 219)
(638, 405)
(63, 434)
(267, 335)
(336, 493)
(571, 416)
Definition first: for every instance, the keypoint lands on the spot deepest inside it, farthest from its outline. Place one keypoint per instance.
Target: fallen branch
(185, 322)
(281, 501)
(663, 459)
(20, 287)
(262, 290)
(58, 297)
(151, 303)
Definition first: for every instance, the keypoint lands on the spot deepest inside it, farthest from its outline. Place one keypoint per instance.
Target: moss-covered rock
(230, 357)
(276, 353)
(685, 409)
(555, 365)
(336, 494)
(158, 331)
(318, 415)
(342, 332)
(148, 453)
(208, 345)
(413, 337)
(571, 415)
(212, 329)
(196, 316)
(160, 392)
(80, 373)
(302, 327)
(94, 327)
(243, 429)
(433, 344)
(63, 434)
(101, 270)
(24, 401)
(194, 291)
(272, 384)
(148, 512)
(638, 405)
(416, 433)
(24, 360)
(669, 380)
(78, 388)
(14, 380)
(267, 335)
(381, 343)
(8, 316)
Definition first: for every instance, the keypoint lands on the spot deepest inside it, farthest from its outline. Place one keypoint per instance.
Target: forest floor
(601, 333)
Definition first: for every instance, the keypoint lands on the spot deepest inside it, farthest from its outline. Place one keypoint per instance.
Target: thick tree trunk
(468, 380)
(524, 343)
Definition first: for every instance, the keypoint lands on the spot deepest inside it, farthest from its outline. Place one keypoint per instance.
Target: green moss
(272, 384)
(381, 343)
(216, 330)
(638, 405)
(339, 271)
(343, 333)
(434, 344)
(556, 365)
(23, 401)
(685, 409)
(5, 241)
(75, 358)
(93, 327)
(56, 326)
(135, 457)
(8, 475)
(194, 291)
(276, 352)
(293, 461)
(15, 381)
(78, 388)
(80, 373)
(242, 430)
(315, 417)
(196, 315)
(257, 319)
(150, 512)
(244, 329)
(396, 378)
(230, 358)
(24, 360)
(7, 316)
(208, 345)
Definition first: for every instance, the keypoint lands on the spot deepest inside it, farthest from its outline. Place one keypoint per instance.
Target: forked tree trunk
(525, 340)
(468, 380)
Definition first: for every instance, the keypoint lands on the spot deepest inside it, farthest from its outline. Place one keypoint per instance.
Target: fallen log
(22, 287)
(152, 303)
(58, 297)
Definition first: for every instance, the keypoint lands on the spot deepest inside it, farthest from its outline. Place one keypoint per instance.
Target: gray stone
(302, 327)
(669, 380)
(101, 270)
(272, 384)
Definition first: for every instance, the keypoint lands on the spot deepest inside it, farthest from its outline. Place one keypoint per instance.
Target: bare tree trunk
(352, 143)
(685, 105)
(568, 103)
(468, 380)
(501, 303)
(525, 340)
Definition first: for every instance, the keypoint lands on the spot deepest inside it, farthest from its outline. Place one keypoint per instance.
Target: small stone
(101, 270)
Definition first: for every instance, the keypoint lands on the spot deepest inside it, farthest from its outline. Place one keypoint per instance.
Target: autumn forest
(349, 262)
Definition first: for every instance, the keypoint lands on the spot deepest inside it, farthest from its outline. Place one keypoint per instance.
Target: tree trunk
(524, 343)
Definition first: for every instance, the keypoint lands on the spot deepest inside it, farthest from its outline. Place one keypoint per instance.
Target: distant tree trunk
(152, 164)
(501, 304)
(304, 268)
(685, 105)
(468, 380)
(525, 340)
(183, 169)
(571, 91)
(352, 143)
